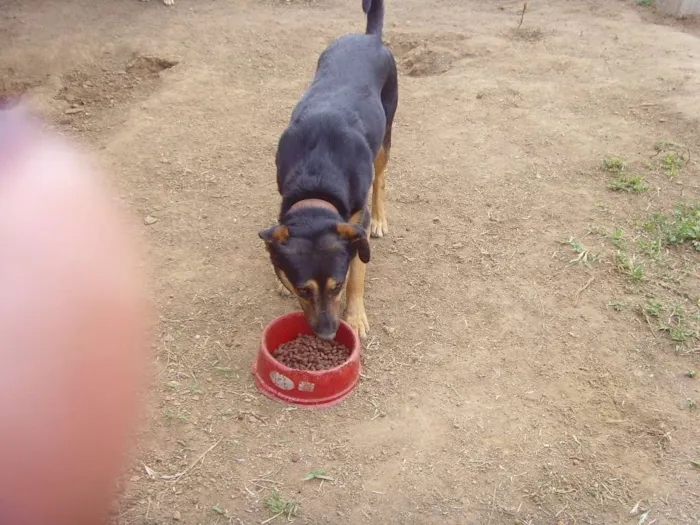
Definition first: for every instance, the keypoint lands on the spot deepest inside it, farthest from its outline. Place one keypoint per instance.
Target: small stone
(73, 111)
(220, 395)
(150, 219)
(436, 219)
(176, 515)
(295, 457)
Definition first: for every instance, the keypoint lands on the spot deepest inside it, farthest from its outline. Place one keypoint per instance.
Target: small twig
(268, 520)
(176, 477)
(578, 292)
(651, 328)
(522, 15)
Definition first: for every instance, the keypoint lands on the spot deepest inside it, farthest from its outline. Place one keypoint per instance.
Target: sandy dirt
(521, 367)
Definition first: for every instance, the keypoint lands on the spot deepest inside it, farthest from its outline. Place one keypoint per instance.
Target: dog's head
(311, 257)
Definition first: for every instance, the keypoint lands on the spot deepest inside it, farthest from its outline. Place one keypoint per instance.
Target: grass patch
(169, 414)
(645, 3)
(584, 255)
(280, 506)
(672, 164)
(630, 266)
(628, 183)
(617, 306)
(650, 248)
(673, 156)
(614, 165)
(679, 227)
(653, 308)
(678, 327)
(317, 474)
(618, 239)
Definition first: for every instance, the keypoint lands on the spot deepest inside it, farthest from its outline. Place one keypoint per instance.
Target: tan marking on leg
(380, 226)
(283, 291)
(355, 310)
(356, 218)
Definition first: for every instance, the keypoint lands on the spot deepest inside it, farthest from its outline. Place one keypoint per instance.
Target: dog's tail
(374, 9)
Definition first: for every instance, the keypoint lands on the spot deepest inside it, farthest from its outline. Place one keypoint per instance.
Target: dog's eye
(306, 293)
(337, 288)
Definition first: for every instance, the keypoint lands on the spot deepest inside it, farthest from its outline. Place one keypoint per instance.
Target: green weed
(176, 416)
(629, 266)
(614, 165)
(672, 164)
(617, 239)
(629, 183)
(680, 227)
(653, 308)
(317, 474)
(650, 248)
(616, 305)
(279, 506)
(584, 255)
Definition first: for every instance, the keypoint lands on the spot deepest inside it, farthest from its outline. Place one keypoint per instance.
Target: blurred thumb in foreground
(74, 323)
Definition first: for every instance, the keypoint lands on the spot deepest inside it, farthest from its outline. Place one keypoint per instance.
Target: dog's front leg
(355, 309)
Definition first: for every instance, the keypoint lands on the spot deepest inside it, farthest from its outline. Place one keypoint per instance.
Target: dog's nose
(327, 335)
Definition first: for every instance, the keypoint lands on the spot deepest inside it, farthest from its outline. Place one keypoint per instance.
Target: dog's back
(344, 113)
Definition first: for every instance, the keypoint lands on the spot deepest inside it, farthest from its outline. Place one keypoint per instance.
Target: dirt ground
(534, 333)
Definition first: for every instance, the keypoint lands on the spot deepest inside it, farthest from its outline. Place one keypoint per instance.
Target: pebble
(295, 457)
(150, 219)
(176, 515)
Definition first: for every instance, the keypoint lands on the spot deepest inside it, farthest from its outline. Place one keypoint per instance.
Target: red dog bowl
(311, 388)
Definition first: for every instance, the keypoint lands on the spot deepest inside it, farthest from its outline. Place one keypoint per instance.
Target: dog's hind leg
(390, 101)
(380, 225)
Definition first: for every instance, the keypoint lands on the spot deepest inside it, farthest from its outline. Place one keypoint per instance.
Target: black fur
(328, 150)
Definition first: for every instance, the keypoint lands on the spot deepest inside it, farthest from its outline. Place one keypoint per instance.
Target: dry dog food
(308, 352)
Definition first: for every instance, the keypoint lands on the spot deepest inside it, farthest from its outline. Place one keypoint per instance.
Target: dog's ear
(357, 237)
(278, 234)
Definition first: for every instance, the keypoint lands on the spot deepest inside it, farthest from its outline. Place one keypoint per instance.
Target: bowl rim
(354, 351)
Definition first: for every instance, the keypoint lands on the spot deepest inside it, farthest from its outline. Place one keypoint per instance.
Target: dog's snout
(327, 335)
(326, 327)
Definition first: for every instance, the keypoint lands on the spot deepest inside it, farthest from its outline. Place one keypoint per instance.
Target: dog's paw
(281, 290)
(169, 2)
(358, 322)
(379, 227)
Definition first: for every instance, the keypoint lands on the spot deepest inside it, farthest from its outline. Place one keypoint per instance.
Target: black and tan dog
(335, 148)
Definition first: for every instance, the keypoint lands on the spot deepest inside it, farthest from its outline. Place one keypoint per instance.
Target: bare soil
(520, 369)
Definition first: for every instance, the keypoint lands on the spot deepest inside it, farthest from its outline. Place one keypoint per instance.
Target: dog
(335, 148)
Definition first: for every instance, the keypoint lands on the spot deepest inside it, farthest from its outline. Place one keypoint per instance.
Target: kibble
(308, 352)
